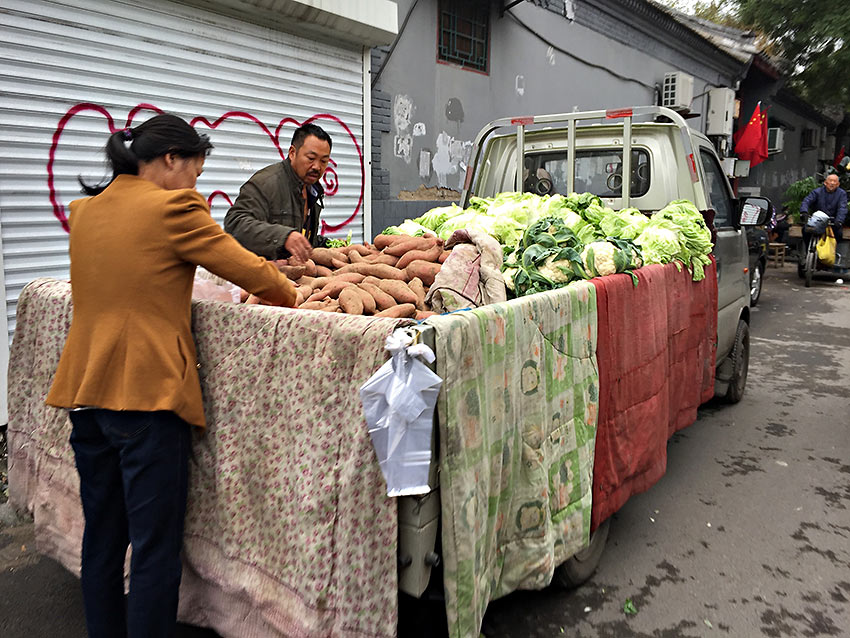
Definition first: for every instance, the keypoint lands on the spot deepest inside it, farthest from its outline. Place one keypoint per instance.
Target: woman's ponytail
(160, 135)
(121, 158)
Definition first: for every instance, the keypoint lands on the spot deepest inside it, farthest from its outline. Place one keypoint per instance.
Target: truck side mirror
(753, 211)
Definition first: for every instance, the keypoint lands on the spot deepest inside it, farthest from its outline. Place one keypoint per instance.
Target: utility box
(678, 91)
(721, 109)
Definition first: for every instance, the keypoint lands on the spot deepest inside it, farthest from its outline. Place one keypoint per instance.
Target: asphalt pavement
(747, 535)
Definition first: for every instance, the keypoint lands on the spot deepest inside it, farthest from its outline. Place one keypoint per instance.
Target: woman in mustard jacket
(128, 372)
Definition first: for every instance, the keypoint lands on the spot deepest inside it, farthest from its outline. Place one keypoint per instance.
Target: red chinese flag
(751, 141)
(839, 157)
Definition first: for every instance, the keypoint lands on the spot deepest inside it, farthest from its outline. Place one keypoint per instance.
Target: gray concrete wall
(428, 113)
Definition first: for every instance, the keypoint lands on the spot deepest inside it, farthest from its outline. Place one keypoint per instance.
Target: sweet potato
(335, 286)
(320, 282)
(381, 258)
(349, 301)
(355, 257)
(399, 291)
(381, 271)
(323, 271)
(318, 295)
(353, 277)
(399, 312)
(299, 297)
(425, 270)
(382, 241)
(432, 254)
(414, 243)
(306, 280)
(332, 306)
(369, 303)
(360, 249)
(293, 272)
(324, 257)
(312, 305)
(418, 289)
(424, 314)
(443, 256)
(310, 268)
(383, 301)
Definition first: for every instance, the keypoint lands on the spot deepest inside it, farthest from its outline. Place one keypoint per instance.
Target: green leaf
(629, 607)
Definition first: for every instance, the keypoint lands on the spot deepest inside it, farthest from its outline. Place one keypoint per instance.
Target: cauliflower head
(552, 271)
(599, 258)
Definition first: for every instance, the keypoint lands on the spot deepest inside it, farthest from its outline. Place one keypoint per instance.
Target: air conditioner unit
(721, 108)
(775, 140)
(678, 91)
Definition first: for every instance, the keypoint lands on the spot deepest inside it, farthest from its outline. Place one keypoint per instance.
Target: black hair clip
(128, 134)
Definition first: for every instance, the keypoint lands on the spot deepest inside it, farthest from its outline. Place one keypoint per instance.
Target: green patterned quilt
(517, 429)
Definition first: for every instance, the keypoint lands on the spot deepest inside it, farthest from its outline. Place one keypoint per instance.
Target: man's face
(311, 160)
(831, 183)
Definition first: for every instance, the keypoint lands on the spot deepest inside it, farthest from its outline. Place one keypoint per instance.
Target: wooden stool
(776, 252)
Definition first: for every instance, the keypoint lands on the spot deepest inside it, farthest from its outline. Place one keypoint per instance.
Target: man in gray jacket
(277, 212)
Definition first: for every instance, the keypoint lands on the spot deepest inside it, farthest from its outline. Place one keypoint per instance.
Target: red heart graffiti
(330, 178)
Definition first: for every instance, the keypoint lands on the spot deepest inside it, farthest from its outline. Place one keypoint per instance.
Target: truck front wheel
(580, 567)
(740, 359)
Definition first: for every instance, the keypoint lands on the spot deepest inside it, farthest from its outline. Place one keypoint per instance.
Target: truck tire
(755, 285)
(740, 358)
(577, 569)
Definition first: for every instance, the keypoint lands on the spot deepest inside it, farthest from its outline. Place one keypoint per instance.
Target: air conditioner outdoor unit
(775, 140)
(721, 108)
(678, 91)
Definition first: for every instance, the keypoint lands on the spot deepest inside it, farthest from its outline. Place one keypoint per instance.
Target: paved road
(747, 535)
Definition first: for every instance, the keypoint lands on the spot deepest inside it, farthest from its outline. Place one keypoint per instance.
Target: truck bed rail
(572, 120)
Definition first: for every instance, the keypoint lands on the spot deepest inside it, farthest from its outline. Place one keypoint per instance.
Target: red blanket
(655, 349)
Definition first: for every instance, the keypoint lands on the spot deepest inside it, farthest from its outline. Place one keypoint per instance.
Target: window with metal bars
(464, 34)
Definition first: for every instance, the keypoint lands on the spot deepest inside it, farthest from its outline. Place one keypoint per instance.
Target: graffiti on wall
(450, 161)
(402, 116)
(330, 179)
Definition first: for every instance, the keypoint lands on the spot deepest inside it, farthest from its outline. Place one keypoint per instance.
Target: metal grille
(101, 59)
(465, 34)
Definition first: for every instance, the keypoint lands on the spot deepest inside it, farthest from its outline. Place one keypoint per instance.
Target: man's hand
(298, 246)
(837, 231)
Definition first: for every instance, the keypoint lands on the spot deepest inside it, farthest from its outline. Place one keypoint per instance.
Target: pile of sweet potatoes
(389, 278)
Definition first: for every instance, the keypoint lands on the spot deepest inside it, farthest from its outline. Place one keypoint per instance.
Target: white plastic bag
(398, 401)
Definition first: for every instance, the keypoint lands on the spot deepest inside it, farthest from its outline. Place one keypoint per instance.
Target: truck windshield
(598, 171)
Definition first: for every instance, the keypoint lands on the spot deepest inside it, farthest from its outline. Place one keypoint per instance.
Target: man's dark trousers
(133, 470)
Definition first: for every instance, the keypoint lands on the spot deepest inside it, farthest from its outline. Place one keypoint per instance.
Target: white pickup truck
(642, 157)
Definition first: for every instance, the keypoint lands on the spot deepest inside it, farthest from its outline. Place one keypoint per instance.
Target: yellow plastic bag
(826, 248)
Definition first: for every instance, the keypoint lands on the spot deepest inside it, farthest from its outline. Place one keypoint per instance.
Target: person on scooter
(832, 200)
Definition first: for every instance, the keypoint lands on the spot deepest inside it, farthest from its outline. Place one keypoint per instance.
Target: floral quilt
(517, 420)
(289, 531)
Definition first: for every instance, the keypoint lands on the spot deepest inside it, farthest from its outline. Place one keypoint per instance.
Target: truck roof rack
(572, 120)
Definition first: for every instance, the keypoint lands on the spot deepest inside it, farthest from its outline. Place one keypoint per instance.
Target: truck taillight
(692, 167)
(524, 121)
(613, 114)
